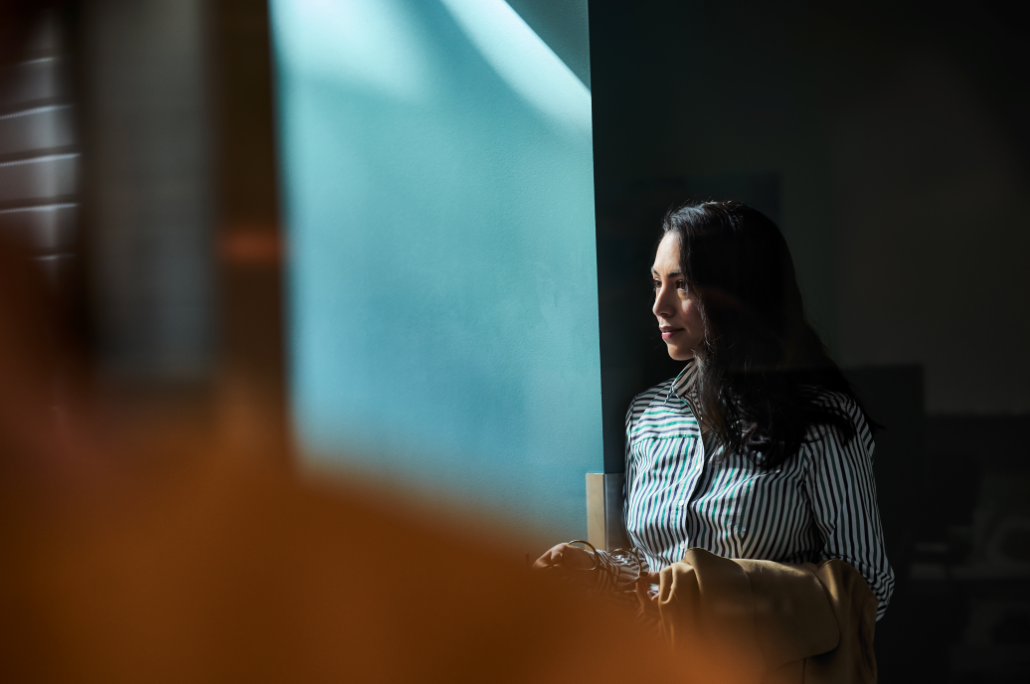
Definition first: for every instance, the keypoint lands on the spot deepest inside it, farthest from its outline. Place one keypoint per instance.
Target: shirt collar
(684, 385)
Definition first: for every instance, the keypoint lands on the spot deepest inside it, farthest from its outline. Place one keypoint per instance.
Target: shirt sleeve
(627, 445)
(619, 572)
(627, 471)
(842, 491)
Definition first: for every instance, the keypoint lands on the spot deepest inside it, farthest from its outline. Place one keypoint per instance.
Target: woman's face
(676, 309)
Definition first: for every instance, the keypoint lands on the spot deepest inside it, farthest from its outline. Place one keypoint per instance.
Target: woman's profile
(759, 449)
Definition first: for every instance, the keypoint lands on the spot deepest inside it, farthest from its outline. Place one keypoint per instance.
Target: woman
(759, 448)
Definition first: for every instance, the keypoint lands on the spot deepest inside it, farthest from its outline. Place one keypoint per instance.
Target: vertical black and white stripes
(817, 505)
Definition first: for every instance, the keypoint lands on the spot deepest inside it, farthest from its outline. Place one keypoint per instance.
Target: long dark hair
(763, 372)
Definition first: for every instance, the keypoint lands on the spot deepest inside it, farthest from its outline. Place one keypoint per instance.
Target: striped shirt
(817, 505)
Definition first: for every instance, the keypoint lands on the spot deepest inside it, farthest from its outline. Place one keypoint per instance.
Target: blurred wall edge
(148, 180)
(437, 180)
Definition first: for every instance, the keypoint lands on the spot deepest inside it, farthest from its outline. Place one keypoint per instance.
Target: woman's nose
(661, 305)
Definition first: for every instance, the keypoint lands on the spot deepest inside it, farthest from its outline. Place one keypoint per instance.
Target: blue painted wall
(438, 182)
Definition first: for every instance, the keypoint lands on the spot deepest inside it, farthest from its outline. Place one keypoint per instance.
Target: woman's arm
(611, 572)
(842, 491)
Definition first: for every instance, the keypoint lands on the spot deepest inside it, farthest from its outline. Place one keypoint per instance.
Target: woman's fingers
(642, 595)
(551, 558)
(569, 562)
(641, 590)
(577, 559)
(648, 604)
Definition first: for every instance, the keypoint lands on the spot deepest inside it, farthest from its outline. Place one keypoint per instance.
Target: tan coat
(744, 621)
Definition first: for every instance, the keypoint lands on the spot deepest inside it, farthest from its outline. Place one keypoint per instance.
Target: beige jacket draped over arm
(749, 621)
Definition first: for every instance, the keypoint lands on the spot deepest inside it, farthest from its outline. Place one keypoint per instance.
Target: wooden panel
(595, 510)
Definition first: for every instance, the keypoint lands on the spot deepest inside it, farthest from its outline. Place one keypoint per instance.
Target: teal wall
(438, 181)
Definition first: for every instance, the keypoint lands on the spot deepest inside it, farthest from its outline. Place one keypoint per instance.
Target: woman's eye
(681, 284)
(656, 284)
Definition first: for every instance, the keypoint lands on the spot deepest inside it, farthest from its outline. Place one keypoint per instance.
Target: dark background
(889, 142)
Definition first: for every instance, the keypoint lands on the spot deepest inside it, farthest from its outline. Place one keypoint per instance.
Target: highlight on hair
(763, 372)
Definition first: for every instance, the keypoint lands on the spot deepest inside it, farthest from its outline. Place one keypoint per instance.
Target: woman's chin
(677, 354)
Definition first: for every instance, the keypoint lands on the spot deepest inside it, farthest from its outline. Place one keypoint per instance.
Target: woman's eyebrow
(670, 275)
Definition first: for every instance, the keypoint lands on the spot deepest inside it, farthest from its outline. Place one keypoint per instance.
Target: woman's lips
(667, 333)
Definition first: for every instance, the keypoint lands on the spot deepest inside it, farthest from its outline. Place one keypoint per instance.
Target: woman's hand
(569, 561)
(564, 557)
(648, 604)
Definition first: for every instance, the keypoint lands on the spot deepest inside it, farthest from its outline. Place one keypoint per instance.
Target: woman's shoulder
(834, 398)
(838, 401)
(845, 405)
(652, 414)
